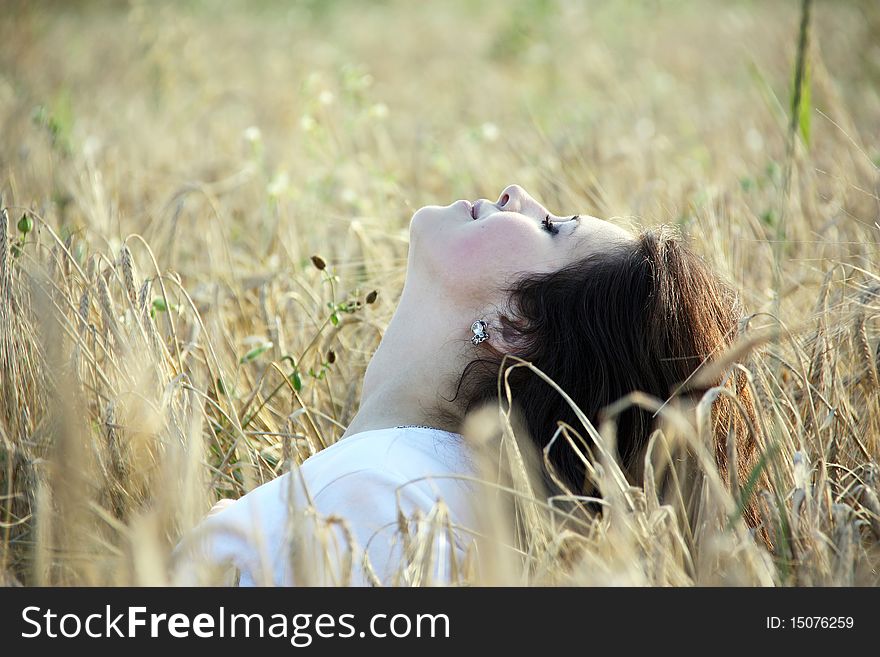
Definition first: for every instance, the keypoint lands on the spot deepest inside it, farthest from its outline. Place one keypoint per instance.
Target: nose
(515, 199)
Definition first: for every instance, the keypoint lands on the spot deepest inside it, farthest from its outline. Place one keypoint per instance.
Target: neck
(417, 364)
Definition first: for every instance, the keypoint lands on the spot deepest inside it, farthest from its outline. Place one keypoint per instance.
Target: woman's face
(471, 250)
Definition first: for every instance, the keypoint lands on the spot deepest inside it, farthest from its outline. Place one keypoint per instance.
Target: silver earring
(479, 329)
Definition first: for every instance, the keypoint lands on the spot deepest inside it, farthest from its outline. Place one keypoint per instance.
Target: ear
(502, 337)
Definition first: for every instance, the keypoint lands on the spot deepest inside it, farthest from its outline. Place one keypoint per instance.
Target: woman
(600, 311)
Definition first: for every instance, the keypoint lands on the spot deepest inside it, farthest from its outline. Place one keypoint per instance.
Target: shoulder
(384, 510)
(371, 491)
(407, 450)
(367, 483)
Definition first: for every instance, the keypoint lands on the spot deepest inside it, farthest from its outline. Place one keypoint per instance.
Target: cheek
(490, 252)
(507, 244)
(468, 260)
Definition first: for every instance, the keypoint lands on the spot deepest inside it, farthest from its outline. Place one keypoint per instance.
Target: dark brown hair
(642, 316)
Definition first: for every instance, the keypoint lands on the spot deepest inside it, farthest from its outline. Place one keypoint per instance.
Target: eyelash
(551, 227)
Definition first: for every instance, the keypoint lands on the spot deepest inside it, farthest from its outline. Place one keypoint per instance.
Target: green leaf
(159, 304)
(805, 109)
(769, 218)
(255, 353)
(801, 113)
(751, 482)
(773, 172)
(334, 319)
(296, 381)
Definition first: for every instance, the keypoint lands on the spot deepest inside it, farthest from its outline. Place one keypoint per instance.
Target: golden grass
(166, 337)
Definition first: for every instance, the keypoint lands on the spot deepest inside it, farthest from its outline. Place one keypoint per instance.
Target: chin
(428, 215)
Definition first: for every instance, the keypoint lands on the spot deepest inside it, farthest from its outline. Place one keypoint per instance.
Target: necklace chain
(417, 426)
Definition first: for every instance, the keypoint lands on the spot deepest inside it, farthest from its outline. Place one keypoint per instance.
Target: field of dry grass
(168, 170)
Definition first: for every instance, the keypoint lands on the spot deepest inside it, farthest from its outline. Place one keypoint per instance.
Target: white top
(365, 479)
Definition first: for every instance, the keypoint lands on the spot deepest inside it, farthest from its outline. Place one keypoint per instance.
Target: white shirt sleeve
(358, 513)
(397, 523)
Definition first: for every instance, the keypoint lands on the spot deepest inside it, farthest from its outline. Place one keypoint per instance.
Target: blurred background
(172, 167)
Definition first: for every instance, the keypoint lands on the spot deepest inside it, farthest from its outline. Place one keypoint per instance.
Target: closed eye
(552, 227)
(549, 226)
